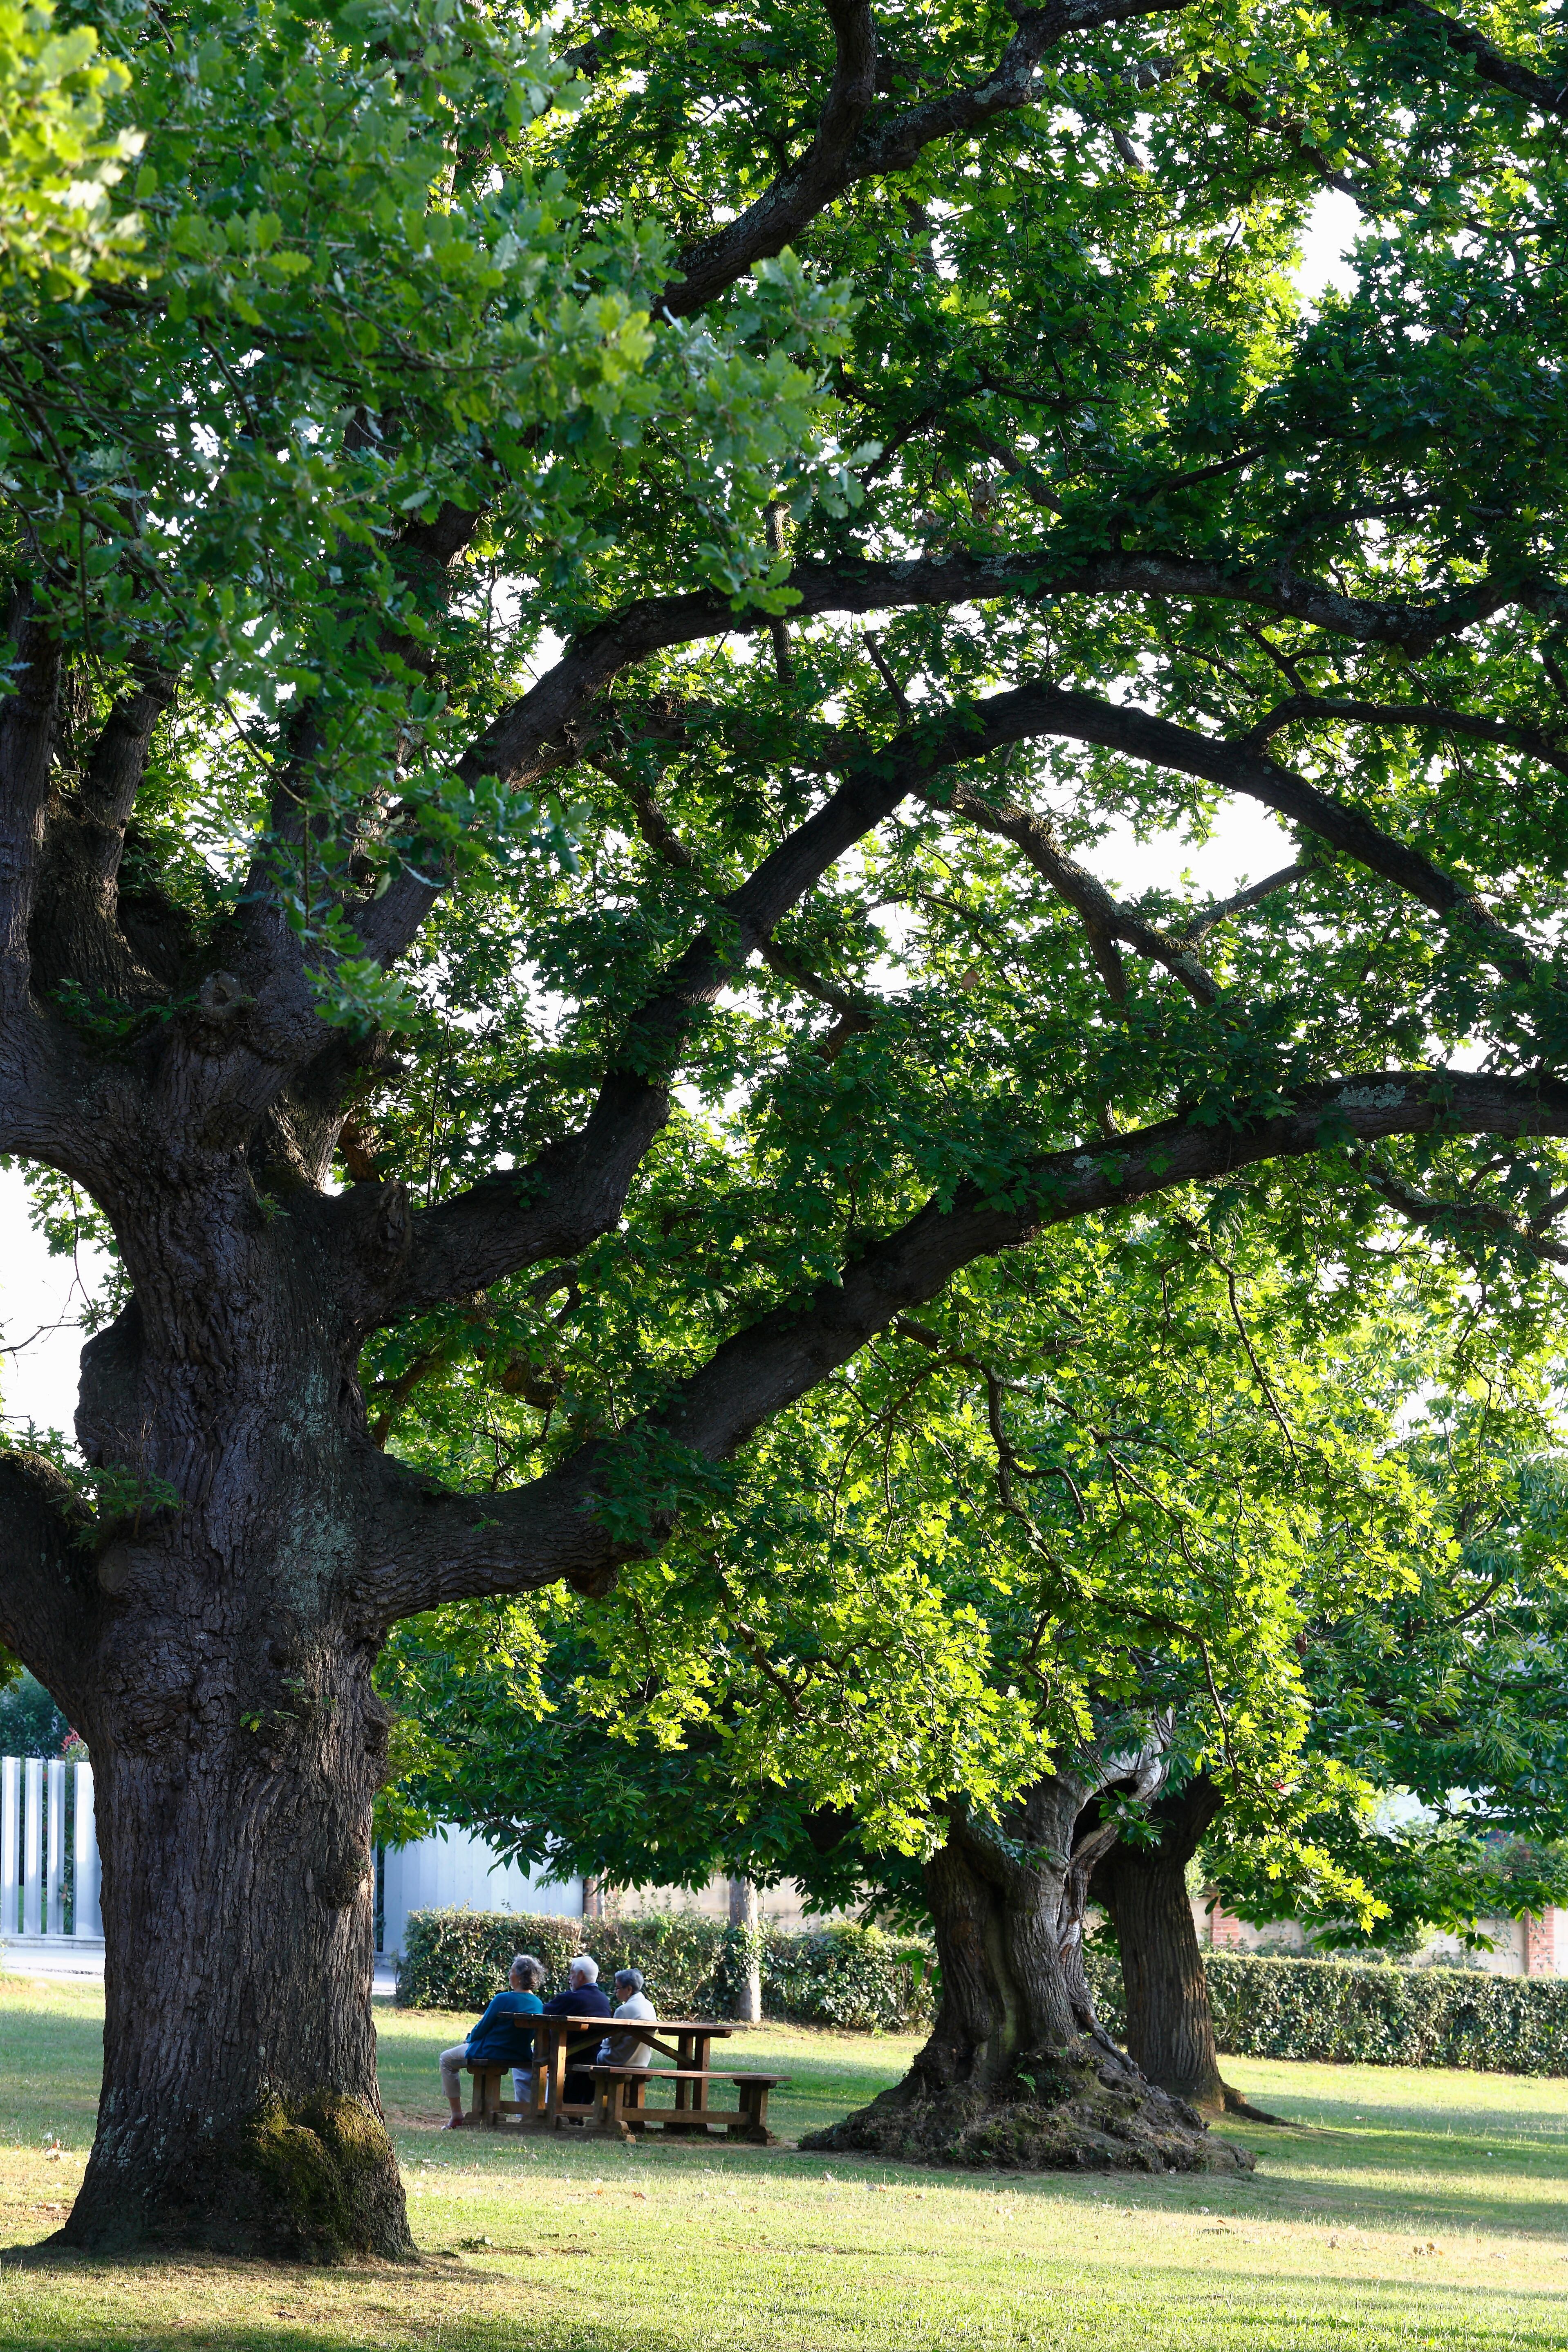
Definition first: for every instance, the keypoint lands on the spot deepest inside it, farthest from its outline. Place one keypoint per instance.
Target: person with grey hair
(495, 2041)
(627, 2049)
(583, 1998)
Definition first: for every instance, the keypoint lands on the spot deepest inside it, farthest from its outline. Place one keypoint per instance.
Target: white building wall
(1520, 1947)
(452, 1871)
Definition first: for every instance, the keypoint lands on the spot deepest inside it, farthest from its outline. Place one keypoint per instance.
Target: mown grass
(1416, 2210)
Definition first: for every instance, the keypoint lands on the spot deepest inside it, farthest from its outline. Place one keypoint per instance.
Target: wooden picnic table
(619, 2106)
(693, 2037)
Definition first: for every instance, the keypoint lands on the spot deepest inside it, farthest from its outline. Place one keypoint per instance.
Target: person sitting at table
(495, 2041)
(627, 2049)
(583, 1998)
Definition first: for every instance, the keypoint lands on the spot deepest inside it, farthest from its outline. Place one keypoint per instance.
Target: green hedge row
(853, 1977)
(1337, 2011)
(1349, 2012)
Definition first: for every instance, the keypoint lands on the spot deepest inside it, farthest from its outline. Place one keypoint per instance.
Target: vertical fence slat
(10, 1842)
(33, 1847)
(55, 1862)
(89, 1916)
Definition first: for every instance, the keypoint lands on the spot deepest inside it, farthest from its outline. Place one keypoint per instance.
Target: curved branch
(429, 1547)
(1491, 64)
(538, 733)
(1124, 727)
(576, 1188)
(44, 1571)
(1501, 733)
(797, 195)
(1420, 1208)
(1104, 918)
(1208, 919)
(844, 152)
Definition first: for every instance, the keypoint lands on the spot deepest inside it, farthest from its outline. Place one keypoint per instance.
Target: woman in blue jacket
(495, 2041)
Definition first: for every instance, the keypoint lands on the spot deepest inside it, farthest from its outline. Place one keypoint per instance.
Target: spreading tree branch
(430, 1546)
(1458, 1217)
(1105, 919)
(845, 149)
(1490, 64)
(576, 1187)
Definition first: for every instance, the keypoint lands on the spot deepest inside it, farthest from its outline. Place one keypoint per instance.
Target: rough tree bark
(1170, 2028)
(1143, 1889)
(217, 1660)
(1018, 2071)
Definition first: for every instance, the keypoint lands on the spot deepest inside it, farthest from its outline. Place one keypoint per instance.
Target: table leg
(753, 2122)
(556, 2088)
(701, 2045)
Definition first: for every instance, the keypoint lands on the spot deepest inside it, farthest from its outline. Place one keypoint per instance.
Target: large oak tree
(872, 453)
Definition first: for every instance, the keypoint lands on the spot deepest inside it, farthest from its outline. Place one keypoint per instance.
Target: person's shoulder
(529, 2004)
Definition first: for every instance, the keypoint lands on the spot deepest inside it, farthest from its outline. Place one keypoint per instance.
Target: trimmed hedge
(853, 1977)
(1352, 2012)
(1342, 2012)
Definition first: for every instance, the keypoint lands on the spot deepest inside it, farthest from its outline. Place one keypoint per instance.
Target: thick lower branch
(431, 1546)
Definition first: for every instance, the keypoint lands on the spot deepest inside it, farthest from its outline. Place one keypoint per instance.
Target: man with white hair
(583, 1998)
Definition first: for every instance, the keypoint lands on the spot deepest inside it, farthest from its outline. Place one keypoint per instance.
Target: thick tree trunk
(1018, 2071)
(240, 2106)
(217, 1655)
(1169, 2026)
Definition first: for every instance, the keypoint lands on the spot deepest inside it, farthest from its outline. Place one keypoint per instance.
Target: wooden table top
(628, 2024)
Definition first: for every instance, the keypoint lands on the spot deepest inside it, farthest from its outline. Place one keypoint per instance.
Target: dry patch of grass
(1419, 2210)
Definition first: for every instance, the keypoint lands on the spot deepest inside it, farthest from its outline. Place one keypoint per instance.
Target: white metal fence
(49, 1875)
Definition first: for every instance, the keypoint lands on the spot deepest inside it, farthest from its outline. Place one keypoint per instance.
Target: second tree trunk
(1018, 2071)
(1169, 2026)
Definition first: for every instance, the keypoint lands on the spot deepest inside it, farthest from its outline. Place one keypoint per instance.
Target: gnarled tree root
(1237, 2104)
(1077, 2110)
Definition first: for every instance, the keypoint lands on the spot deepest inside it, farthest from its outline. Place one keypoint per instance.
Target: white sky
(41, 1298)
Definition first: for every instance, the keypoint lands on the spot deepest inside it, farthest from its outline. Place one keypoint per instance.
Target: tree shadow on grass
(1390, 2180)
(1159, 2307)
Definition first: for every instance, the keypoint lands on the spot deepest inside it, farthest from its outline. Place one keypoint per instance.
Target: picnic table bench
(619, 2105)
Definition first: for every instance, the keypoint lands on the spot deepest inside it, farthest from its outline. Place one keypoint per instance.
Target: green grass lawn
(1411, 2210)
